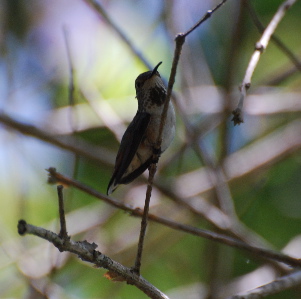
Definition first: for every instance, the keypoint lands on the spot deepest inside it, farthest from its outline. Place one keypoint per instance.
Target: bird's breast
(153, 128)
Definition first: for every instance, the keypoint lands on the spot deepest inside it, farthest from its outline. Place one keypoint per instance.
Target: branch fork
(87, 252)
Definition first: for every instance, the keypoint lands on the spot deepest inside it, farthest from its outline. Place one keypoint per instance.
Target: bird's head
(150, 89)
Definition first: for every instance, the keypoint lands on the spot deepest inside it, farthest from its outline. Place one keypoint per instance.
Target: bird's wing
(128, 147)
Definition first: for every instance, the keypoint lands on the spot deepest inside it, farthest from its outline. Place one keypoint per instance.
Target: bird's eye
(138, 84)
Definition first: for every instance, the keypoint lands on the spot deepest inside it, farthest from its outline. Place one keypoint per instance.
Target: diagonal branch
(180, 40)
(86, 251)
(261, 45)
(206, 16)
(152, 172)
(269, 254)
(101, 11)
(278, 42)
(275, 287)
(97, 154)
(63, 232)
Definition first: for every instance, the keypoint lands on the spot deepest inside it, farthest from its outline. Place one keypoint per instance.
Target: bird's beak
(155, 69)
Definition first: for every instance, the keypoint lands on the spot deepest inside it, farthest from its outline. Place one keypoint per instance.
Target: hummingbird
(138, 143)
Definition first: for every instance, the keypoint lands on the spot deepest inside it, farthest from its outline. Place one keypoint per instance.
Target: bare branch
(269, 254)
(294, 59)
(86, 251)
(100, 10)
(207, 15)
(272, 255)
(261, 45)
(63, 232)
(75, 145)
(180, 39)
(152, 172)
(276, 286)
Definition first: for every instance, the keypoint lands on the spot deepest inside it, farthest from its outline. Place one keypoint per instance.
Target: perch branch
(152, 172)
(261, 45)
(180, 40)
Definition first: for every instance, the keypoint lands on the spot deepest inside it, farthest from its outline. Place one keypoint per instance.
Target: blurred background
(67, 95)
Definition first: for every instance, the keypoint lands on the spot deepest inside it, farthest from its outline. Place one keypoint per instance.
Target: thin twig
(261, 45)
(86, 251)
(272, 255)
(156, 156)
(180, 40)
(269, 254)
(207, 15)
(274, 287)
(63, 232)
(152, 172)
(276, 80)
(153, 167)
(293, 58)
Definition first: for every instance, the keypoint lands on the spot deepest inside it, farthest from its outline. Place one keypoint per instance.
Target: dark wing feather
(129, 145)
(131, 176)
